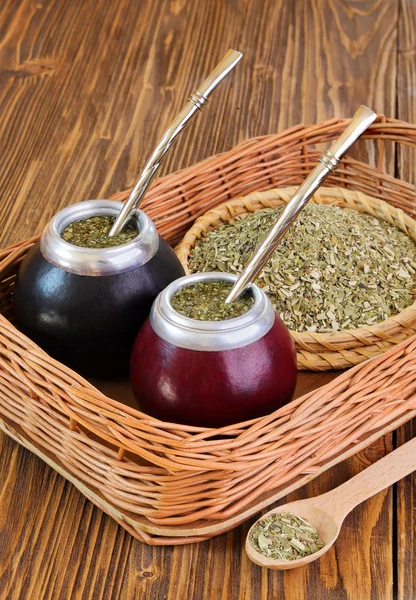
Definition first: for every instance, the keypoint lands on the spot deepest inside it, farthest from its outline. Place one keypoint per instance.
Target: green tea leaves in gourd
(93, 233)
(205, 301)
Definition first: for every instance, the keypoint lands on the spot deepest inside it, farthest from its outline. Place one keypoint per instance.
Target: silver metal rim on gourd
(98, 261)
(192, 334)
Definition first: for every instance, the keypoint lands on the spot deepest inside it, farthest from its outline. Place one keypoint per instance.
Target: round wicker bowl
(322, 351)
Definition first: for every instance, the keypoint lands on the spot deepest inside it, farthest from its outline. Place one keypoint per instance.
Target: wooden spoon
(328, 511)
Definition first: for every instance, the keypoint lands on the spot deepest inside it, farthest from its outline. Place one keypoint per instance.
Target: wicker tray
(172, 484)
(322, 351)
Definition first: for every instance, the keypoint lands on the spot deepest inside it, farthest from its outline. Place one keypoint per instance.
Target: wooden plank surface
(405, 490)
(87, 88)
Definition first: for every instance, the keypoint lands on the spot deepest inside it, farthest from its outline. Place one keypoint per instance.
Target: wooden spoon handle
(389, 469)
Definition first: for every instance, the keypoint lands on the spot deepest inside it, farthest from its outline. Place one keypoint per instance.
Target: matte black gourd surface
(89, 322)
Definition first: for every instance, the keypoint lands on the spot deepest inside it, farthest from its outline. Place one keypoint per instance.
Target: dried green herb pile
(335, 269)
(205, 301)
(93, 233)
(285, 536)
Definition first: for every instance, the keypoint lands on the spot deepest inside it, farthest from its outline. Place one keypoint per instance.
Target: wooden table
(87, 87)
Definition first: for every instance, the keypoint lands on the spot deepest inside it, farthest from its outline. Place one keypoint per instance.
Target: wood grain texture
(87, 87)
(405, 491)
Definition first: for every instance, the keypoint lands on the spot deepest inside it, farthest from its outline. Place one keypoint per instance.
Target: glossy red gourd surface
(213, 388)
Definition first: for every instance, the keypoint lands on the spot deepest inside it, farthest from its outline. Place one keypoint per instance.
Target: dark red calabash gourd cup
(212, 374)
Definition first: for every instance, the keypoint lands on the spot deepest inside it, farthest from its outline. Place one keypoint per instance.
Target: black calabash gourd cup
(85, 306)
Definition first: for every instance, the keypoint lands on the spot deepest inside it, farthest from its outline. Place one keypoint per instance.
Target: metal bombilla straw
(196, 102)
(328, 162)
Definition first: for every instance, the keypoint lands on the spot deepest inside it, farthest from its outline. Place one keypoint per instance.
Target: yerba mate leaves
(335, 269)
(205, 301)
(284, 536)
(93, 233)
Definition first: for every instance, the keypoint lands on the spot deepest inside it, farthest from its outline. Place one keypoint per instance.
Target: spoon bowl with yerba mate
(297, 533)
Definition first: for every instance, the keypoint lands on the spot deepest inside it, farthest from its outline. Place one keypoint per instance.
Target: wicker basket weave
(167, 483)
(322, 351)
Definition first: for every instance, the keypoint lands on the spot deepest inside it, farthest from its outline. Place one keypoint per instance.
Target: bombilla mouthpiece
(196, 102)
(328, 162)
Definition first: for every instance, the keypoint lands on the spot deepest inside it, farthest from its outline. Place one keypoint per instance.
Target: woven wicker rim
(317, 343)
